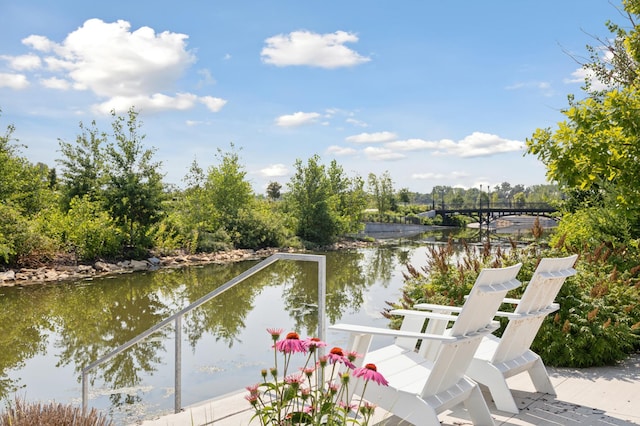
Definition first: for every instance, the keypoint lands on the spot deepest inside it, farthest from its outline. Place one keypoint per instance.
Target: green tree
(381, 189)
(226, 186)
(24, 193)
(82, 165)
(133, 183)
(348, 199)
(324, 202)
(273, 190)
(594, 153)
(404, 195)
(309, 192)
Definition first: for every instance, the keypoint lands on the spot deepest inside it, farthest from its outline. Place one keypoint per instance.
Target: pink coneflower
(323, 360)
(308, 371)
(253, 399)
(253, 390)
(348, 407)
(291, 343)
(352, 355)
(336, 355)
(275, 333)
(370, 372)
(367, 408)
(313, 342)
(294, 379)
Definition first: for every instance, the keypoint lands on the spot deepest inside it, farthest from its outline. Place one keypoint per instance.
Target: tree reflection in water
(87, 320)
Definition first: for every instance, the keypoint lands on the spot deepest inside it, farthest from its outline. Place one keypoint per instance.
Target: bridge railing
(501, 205)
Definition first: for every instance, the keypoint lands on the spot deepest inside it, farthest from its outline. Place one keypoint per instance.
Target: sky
(432, 92)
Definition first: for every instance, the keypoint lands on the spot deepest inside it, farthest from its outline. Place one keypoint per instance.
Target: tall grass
(21, 413)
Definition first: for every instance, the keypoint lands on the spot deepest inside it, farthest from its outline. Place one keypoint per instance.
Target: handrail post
(322, 300)
(85, 391)
(178, 365)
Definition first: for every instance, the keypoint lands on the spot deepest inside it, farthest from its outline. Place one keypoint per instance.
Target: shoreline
(63, 273)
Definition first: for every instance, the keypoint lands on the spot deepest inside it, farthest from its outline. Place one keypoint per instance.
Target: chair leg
(490, 376)
(477, 407)
(540, 378)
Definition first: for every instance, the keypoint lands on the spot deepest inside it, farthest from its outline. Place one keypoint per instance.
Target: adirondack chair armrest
(512, 315)
(363, 329)
(437, 308)
(509, 315)
(423, 314)
(505, 300)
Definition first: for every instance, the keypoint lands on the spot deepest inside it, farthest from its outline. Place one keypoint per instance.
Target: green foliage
(324, 202)
(599, 318)
(82, 165)
(85, 230)
(226, 187)
(20, 241)
(592, 226)
(258, 227)
(381, 189)
(134, 190)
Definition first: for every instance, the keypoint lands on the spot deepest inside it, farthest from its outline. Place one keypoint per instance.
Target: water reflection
(68, 326)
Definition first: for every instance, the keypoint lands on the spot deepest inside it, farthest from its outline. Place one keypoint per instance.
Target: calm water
(50, 332)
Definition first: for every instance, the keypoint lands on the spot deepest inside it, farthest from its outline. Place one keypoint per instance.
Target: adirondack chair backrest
(474, 321)
(536, 303)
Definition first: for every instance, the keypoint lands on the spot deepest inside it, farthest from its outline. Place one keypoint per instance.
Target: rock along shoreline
(100, 268)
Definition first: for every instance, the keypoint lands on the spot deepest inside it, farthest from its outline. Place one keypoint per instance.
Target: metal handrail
(177, 319)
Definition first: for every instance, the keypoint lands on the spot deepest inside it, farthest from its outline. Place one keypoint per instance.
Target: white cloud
(543, 86)
(151, 103)
(275, 170)
(14, 81)
(412, 145)
(477, 144)
(312, 49)
(55, 83)
(582, 75)
(340, 151)
(213, 104)
(439, 176)
(297, 119)
(480, 144)
(39, 43)
(23, 62)
(355, 122)
(383, 154)
(429, 176)
(126, 68)
(372, 137)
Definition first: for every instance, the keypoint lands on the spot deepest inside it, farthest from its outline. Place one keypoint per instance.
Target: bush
(20, 241)
(86, 230)
(598, 322)
(50, 414)
(253, 228)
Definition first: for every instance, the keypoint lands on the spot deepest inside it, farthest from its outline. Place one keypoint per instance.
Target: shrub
(598, 322)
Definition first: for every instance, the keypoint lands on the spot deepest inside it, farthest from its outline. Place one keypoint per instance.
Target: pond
(51, 332)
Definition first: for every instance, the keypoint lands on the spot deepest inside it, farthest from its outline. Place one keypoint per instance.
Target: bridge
(486, 213)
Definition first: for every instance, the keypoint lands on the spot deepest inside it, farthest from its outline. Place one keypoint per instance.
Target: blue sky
(434, 92)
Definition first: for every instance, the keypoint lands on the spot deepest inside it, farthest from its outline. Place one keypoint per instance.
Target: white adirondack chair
(420, 389)
(500, 358)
